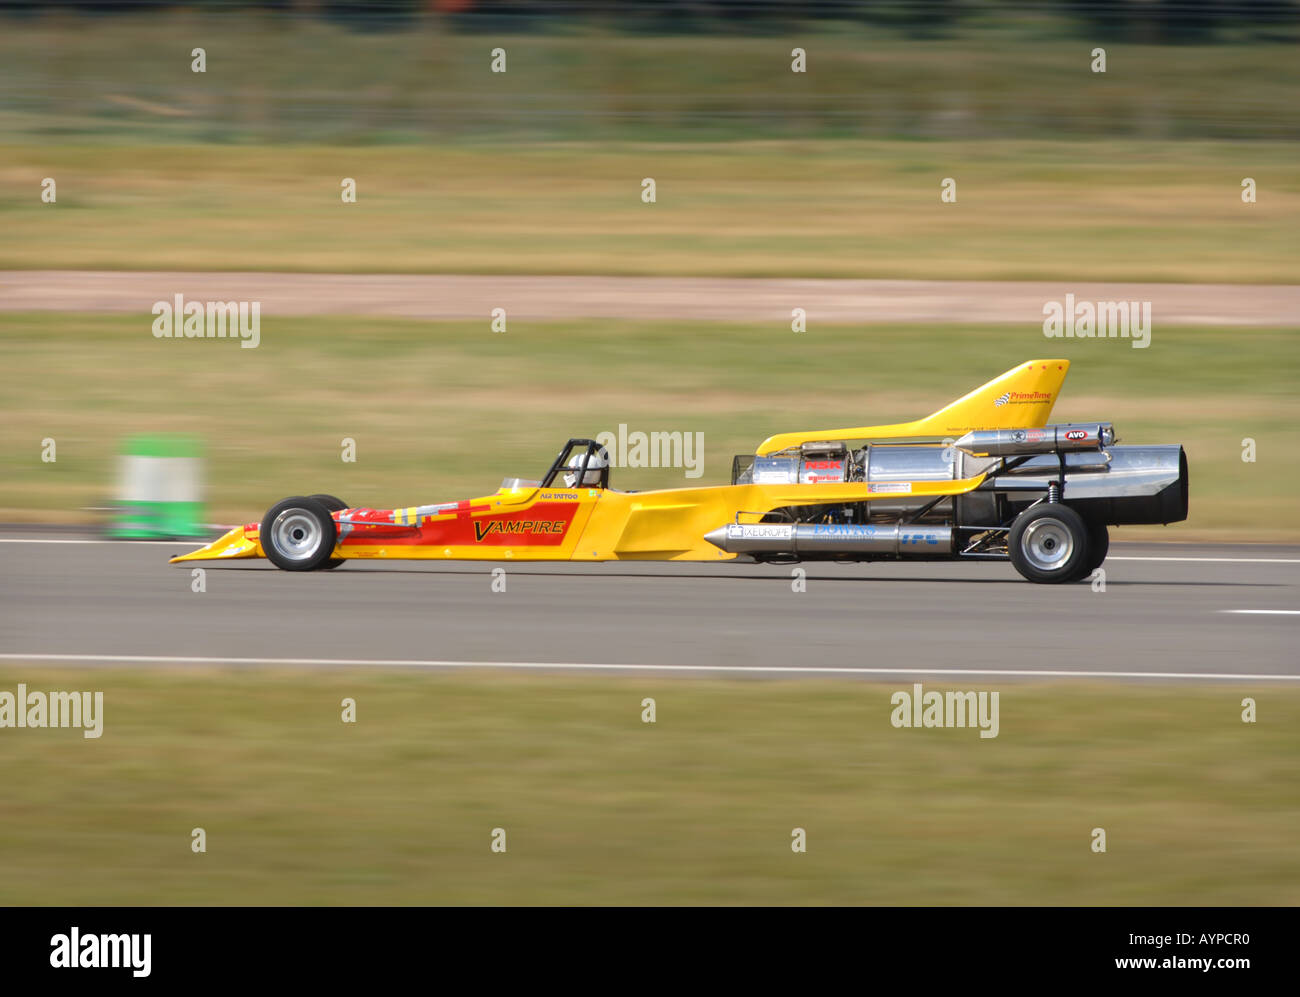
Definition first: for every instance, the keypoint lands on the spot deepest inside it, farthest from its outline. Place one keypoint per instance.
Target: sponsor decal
(760, 531)
(776, 470)
(815, 472)
(917, 538)
(844, 531)
(856, 531)
(890, 486)
(541, 524)
(1076, 434)
(517, 526)
(1023, 398)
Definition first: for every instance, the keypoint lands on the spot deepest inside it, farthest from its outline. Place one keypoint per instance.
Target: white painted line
(1223, 560)
(594, 667)
(120, 543)
(1263, 612)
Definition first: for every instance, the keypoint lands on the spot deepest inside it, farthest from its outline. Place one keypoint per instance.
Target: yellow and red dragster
(984, 478)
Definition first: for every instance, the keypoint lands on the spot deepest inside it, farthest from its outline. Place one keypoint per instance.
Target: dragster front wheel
(333, 504)
(298, 534)
(1049, 543)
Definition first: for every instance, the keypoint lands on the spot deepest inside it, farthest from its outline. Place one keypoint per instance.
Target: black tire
(298, 534)
(330, 502)
(333, 504)
(1048, 544)
(1098, 546)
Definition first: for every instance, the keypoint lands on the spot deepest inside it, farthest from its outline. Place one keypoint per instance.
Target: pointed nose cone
(718, 538)
(233, 544)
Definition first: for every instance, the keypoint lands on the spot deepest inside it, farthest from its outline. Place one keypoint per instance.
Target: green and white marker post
(159, 490)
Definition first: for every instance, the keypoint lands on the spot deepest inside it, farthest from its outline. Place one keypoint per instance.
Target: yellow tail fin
(1021, 398)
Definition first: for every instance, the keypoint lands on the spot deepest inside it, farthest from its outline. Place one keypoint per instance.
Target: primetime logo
(1023, 398)
(77, 951)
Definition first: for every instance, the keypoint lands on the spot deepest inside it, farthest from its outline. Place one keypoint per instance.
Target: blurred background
(1064, 176)
(402, 72)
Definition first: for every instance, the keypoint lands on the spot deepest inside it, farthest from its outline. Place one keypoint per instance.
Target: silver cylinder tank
(903, 464)
(832, 538)
(1061, 438)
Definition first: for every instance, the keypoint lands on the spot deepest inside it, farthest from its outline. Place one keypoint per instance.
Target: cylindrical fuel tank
(897, 463)
(1064, 438)
(804, 539)
(900, 465)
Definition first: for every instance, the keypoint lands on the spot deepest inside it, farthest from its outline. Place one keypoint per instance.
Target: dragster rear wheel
(1098, 546)
(333, 504)
(1049, 543)
(298, 534)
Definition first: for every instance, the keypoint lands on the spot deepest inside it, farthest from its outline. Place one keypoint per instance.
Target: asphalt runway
(559, 298)
(1168, 610)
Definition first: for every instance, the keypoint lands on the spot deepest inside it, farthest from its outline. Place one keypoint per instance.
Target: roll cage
(591, 448)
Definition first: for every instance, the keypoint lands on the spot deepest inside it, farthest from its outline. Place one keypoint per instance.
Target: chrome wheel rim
(1047, 544)
(296, 534)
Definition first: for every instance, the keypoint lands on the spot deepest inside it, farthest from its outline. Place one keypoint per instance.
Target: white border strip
(597, 667)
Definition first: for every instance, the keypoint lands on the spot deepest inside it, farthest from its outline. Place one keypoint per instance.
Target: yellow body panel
(668, 524)
(592, 524)
(671, 524)
(1022, 398)
(234, 544)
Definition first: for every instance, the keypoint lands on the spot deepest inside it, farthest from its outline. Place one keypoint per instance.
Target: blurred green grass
(445, 410)
(599, 808)
(1096, 210)
(288, 79)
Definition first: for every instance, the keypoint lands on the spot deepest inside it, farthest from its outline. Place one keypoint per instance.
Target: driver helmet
(598, 462)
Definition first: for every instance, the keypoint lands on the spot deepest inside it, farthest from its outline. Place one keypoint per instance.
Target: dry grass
(1025, 210)
(599, 808)
(445, 410)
